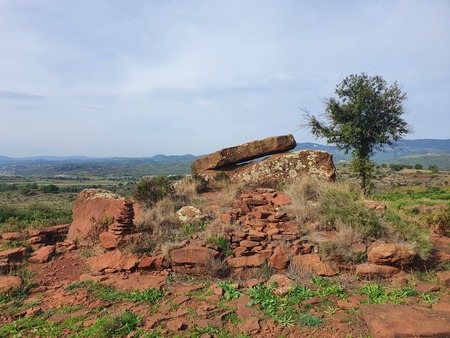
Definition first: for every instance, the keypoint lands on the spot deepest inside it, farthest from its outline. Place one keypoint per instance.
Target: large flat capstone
(245, 152)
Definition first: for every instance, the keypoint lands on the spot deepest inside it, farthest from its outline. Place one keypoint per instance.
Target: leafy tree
(418, 166)
(433, 168)
(364, 117)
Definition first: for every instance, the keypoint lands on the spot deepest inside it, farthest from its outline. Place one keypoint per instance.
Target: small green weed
(230, 290)
(212, 331)
(307, 319)
(375, 292)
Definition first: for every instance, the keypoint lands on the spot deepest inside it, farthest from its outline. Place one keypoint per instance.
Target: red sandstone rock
(281, 199)
(192, 255)
(373, 270)
(424, 287)
(13, 255)
(245, 152)
(109, 240)
(13, 236)
(176, 324)
(112, 260)
(382, 253)
(389, 321)
(153, 263)
(246, 261)
(248, 244)
(280, 258)
(43, 255)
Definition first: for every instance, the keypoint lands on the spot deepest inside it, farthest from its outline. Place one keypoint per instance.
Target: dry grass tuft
(187, 187)
(167, 247)
(217, 268)
(305, 195)
(226, 196)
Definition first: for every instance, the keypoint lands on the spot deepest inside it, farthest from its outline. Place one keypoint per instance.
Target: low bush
(153, 189)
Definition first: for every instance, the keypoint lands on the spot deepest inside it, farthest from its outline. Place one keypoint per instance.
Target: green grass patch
(111, 294)
(112, 326)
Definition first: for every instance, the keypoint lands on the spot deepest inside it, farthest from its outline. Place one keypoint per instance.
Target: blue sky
(139, 78)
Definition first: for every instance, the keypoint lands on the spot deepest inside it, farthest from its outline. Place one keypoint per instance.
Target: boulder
(383, 253)
(93, 211)
(245, 152)
(277, 169)
(189, 214)
(43, 255)
(192, 255)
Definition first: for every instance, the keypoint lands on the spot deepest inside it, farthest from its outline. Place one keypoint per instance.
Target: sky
(144, 77)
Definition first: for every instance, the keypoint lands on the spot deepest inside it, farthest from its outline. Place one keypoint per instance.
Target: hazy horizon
(167, 154)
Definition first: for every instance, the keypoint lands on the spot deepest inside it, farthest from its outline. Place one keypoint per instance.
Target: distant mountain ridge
(423, 151)
(404, 148)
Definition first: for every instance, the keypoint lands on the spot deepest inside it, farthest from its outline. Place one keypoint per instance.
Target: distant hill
(426, 152)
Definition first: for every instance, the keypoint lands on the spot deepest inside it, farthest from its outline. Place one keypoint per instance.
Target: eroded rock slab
(383, 253)
(387, 320)
(113, 260)
(192, 255)
(245, 152)
(370, 270)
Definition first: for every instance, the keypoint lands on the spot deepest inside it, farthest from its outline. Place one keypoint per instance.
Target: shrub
(49, 189)
(440, 222)
(151, 190)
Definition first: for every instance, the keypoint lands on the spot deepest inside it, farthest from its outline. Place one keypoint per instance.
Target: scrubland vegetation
(418, 202)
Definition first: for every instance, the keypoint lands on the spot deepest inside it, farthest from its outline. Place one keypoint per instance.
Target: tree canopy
(364, 117)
